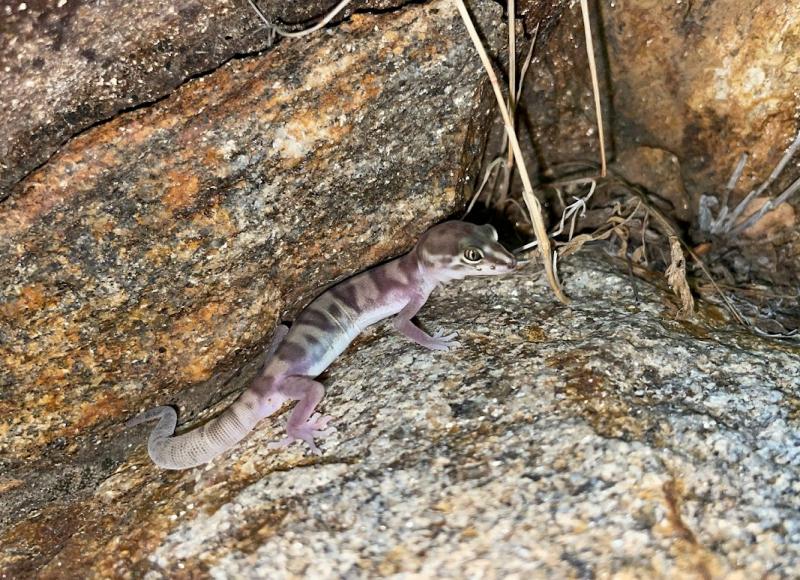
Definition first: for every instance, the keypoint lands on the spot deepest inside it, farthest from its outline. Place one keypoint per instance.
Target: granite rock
(722, 77)
(704, 82)
(148, 261)
(600, 440)
(68, 65)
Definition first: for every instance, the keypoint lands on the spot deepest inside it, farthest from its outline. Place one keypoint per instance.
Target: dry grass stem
(299, 33)
(587, 29)
(727, 301)
(496, 162)
(737, 173)
(617, 227)
(270, 27)
(527, 62)
(512, 87)
(534, 208)
(728, 223)
(570, 212)
(770, 205)
(514, 95)
(512, 58)
(664, 223)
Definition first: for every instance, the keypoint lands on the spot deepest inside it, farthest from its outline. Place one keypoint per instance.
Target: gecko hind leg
(304, 424)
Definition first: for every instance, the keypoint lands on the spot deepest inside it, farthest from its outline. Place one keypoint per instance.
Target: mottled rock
(543, 14)
(688, 88)
(68, 65)
(65, 66)
(704, 81)
(707, 81)
(595, 440)
(148, 260)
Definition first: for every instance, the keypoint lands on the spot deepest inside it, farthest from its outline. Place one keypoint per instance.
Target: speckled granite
(66, 65)
(600, 440)
(148, 261)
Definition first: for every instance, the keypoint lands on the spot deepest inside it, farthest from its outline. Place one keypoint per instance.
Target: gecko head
(455, 249)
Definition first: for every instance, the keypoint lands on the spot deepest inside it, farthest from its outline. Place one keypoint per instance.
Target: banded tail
(199, 445)
(448, 251)
(202, 444)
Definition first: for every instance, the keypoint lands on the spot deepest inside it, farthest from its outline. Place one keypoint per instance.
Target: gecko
(451, 250)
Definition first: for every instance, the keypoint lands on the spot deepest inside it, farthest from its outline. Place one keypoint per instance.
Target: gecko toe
(285, 442)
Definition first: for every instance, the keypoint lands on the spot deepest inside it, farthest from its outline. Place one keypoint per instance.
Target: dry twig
(298, 33)
(534, 208)
(587, 29)
(728, 222)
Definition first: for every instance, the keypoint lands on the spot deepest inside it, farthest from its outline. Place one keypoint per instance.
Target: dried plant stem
(737, 211)
(734, 179)
(512, 80)
(527, 62)
(512, 58)
(676, 278)
(587, 29)
(509, 168)
(768, 206)
(667, 226)
(570, 212)
(297, 34)
(486, 176)
(534, 208)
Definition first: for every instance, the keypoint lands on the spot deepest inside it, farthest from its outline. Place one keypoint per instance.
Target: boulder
(149, 260)
(557, 441)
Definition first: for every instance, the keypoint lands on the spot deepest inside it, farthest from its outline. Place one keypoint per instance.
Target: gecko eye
(473, 255)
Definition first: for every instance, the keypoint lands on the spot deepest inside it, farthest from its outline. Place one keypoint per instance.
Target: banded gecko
(449, 251)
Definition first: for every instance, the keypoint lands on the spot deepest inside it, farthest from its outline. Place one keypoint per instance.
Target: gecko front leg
(438, 341)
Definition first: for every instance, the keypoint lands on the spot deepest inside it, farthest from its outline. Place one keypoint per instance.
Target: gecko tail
(167, 419)
(199, 445)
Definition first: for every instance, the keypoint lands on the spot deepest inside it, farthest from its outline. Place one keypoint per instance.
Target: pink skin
(323, 330)
(304, 424)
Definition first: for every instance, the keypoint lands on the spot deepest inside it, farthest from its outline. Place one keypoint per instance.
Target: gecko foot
(442, 341)
(314, 428)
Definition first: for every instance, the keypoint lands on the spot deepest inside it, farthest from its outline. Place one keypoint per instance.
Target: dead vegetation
(593, 203)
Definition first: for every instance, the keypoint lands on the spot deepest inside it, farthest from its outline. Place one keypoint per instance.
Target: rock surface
(690, 88)
(149, 260)
(705, 82)
(588, 441)
(93, 59)
(67, 65)
(722, 77)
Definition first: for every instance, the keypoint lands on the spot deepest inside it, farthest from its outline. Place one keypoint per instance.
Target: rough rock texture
(703, 81)
(690, 87)
(155, 252)
(67, 65)
(588, 441)
(557, 113)
(707, 81)
(544, 14)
